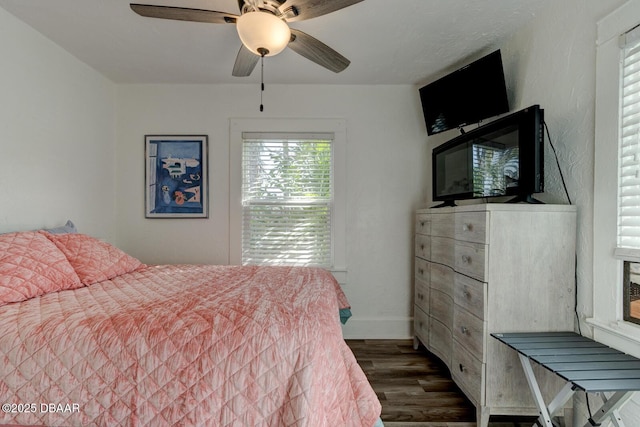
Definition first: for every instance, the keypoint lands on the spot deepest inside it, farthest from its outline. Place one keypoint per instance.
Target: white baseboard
(378, 328)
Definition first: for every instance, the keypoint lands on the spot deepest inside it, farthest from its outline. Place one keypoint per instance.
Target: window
(628, 247)
(616, 230)
(265, 208)
(631, 283)
(629, 148)
(287, 199)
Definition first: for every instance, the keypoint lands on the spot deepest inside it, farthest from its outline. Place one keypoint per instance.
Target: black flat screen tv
(466, 96)
(502, 158)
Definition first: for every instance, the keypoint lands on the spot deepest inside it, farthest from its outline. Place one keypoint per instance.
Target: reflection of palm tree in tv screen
(496, 166)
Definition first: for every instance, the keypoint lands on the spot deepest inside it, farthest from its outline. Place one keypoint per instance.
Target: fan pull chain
(262, 52)
(261, 82)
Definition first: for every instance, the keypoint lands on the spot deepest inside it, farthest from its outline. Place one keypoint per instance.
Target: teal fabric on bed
(345, 314)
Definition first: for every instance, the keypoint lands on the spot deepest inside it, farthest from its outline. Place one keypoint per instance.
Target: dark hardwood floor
(415, 387)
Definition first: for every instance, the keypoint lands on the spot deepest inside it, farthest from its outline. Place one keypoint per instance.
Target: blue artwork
(176, 176)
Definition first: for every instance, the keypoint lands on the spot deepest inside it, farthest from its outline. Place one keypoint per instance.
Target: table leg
(610, 409)
(616, 419)
(545, 417)
(561, 398)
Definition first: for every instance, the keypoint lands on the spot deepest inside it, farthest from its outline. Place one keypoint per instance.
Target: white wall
(386, 156)
(57, 136)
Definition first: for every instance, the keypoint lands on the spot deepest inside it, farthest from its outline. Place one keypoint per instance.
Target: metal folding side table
(585, 364)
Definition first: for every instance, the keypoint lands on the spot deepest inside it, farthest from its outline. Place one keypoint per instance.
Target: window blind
(287, 199)
(629, 148)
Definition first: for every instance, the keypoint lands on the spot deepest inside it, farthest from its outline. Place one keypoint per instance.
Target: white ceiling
(387, 41)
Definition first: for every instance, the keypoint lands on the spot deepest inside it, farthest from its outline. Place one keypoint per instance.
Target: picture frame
(176, 176)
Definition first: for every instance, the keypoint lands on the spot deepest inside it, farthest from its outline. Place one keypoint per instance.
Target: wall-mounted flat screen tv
(502, 158)
(466, 96)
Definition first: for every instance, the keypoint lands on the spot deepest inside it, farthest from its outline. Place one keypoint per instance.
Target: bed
(91, 336)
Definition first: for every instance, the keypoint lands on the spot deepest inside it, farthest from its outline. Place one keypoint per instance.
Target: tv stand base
(448, 203)
(525, 199)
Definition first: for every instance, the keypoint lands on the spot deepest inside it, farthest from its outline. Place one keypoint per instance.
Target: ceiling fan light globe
(260, 31)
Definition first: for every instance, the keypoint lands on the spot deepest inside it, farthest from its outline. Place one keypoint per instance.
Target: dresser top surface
(505, 207)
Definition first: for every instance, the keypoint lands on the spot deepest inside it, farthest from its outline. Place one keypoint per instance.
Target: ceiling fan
(263, 30)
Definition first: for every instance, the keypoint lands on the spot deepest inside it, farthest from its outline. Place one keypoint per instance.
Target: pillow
(31, 265)
(92, 259)
(69, 227)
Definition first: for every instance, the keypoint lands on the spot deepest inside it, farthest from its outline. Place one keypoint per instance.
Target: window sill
(624, 336)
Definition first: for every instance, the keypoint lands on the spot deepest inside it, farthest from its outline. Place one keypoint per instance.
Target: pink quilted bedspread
(184, 345)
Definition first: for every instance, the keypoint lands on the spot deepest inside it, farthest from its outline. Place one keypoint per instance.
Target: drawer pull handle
(421, 271)
(422, 247)
(467, 227)
(466, 259)
(462, 368)
(464, 330)
(466, 293)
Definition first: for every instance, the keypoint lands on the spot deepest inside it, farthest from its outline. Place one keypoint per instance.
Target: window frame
(608, 321)
(337, 127)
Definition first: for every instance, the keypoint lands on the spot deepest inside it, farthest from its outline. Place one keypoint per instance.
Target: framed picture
(176, 176)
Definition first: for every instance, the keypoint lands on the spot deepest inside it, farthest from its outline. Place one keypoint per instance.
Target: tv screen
(471, 94)
(502, 158)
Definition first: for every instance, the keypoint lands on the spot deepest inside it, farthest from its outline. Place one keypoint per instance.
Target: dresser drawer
(442, 250)
(470, 259)
(422, 294)
(423, 246)
(423, 270)
(470, 294)
(471, 226)
(421, 325)
(440, 341)
(468, 372)
(442, 225)
(468, 330)
(441, 307)
(442, 278)
(423, 223)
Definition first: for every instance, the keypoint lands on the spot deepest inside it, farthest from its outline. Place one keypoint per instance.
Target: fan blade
(298, 10)
(183, 14)
(316, 51)
(245, 62)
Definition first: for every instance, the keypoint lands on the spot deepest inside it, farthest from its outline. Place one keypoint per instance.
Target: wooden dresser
(490, 268)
